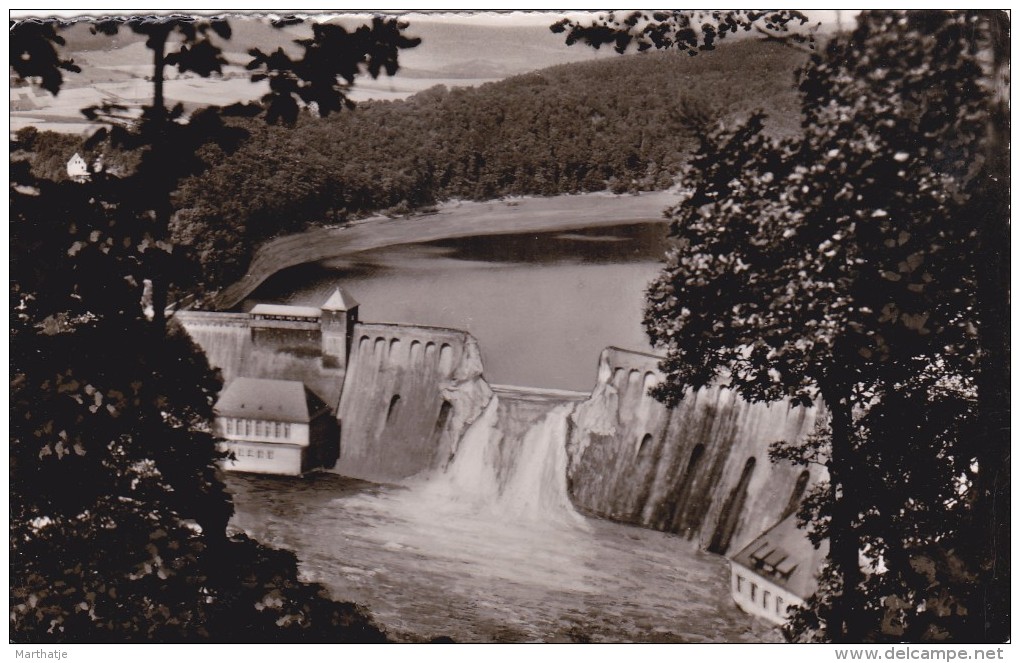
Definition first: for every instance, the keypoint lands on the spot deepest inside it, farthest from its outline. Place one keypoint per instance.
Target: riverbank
(454, 219)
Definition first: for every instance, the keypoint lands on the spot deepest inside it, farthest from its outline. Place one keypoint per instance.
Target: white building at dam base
(275, 427)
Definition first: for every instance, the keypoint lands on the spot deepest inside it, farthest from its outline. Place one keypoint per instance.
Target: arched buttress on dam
(732, 511)
(799, 488)
(710, 479)
(404, 389)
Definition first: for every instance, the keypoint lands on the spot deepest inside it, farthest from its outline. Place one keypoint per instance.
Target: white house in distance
(77, 169)
(275, 427)
(776, 570)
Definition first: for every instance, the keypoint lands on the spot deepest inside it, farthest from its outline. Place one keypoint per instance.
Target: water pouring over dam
(507, 478)
(489, 513)
(490, 548)
(700, 470)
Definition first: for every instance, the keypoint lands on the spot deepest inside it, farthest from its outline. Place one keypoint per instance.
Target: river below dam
(491, 550)
(450, 572)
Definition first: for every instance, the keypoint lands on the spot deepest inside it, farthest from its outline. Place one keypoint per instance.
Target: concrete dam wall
(231, 345)
(416, 403)
(701, 470)
(413, 402)
(409, 394)
(412, 392)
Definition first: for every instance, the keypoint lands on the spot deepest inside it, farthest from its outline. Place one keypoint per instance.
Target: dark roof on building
(785, 556)
(271, 400)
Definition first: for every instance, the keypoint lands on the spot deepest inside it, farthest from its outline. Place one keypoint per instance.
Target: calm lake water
(542, 306)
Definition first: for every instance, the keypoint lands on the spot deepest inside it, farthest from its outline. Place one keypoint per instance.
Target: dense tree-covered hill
(613, 123)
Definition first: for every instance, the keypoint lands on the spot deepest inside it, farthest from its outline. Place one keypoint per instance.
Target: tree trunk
(844, 543)
(159, 303)
(992, 507)
(160, 286)
(158, 42)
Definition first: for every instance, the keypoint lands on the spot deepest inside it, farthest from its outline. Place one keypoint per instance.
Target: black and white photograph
(673, 327)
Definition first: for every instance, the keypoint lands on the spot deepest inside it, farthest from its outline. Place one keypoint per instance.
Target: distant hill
(489, 51)
(448, 50)
(78, 38)
(105, 58)
(611, 123)
(247, 32)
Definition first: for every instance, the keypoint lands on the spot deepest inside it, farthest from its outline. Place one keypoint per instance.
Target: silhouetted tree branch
(693, 31)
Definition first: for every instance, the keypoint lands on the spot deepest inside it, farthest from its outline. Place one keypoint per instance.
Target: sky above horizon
(463, 16)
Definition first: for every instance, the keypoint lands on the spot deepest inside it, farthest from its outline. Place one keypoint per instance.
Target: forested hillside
(614, 123)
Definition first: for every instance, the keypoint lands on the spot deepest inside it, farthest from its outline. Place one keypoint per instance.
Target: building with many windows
(275, 427)
(776, 570)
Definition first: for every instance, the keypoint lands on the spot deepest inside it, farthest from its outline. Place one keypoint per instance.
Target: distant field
(451, 54)
(62, 113)
(461, 219)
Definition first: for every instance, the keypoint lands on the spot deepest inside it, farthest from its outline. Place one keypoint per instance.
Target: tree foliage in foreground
(846, 267)
(119, 518)
(33, 54)
(692, 31)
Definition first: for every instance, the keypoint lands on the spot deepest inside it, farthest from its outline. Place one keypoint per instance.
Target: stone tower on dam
(339, 315)
(310, 344)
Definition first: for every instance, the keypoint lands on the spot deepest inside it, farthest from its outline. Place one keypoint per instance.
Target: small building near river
(275, 427)
(777, 570)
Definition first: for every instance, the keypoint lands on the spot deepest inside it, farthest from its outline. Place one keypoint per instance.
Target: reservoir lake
(542, 305)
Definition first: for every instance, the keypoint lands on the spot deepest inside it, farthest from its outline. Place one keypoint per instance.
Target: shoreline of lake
(451, 220)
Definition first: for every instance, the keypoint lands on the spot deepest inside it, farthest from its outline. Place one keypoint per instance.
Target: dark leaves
(105, 26)
(843, 264)
(221, 28)
(202, 58)
(34, 55)
(118, 513)
(690, 31)
(333, 57)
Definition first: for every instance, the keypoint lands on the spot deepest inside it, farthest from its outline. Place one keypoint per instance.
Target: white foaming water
(500, 509)
(492, 550)
(470, 479)
(523, 484)
(537, 487)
